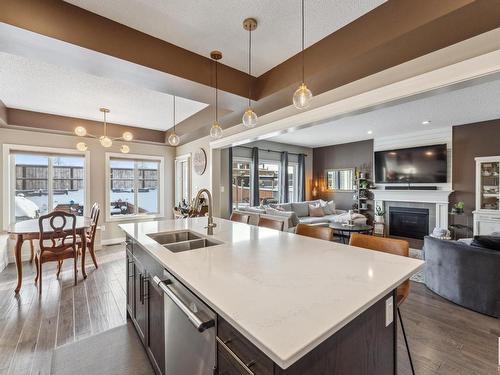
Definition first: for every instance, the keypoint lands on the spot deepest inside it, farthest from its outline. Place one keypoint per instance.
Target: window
(269, 182)
(241, 183)
(41, 180)
(182, 180)
(134, 186)
(293, 188)
(340, 179)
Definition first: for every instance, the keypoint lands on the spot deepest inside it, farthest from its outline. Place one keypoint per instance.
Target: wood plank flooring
(32, 326)
(444, 338)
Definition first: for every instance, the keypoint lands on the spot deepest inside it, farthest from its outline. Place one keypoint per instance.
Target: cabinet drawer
(247, 353)
(226, 365)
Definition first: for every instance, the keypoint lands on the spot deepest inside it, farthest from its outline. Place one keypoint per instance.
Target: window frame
(178, 173)
(295, 185)
(161, 180)
(241, 159)
(275, 162)
(10, 177)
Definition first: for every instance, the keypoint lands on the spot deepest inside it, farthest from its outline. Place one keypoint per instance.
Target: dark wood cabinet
(145, 303)
(140, 313)
(130, 285)
(156, 327)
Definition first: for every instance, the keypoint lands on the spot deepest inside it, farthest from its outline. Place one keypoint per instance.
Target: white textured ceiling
(41, 87)
(202, 25)
(468, 105)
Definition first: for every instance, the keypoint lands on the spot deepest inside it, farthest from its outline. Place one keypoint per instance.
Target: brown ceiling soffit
(48, 122)
(432, 36)
(66, 22)
(395, 32)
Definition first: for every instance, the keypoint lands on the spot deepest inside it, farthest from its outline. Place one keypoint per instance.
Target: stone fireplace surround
(436, 201)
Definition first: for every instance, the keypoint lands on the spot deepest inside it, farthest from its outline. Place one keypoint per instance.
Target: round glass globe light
(249, 118)
(216, 131)
(302, 97)
(127, 136)
(105, 141)
(125, 149)
(81, 146)
(173, 139)
(80, 131)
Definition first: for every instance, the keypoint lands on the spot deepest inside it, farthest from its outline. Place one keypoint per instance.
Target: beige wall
(97, 167)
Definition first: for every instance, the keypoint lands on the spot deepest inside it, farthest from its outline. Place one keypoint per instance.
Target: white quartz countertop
(284, 292)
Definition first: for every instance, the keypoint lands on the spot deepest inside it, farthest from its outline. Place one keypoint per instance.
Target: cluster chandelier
(173, 138)
(249, 117)
(103, 139)
(216, 130)
(302, 96)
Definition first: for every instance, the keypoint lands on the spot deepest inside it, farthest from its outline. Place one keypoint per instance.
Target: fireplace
(409, 222)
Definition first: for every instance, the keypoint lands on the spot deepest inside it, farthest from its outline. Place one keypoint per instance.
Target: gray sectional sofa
(297, 212)
(464, 274)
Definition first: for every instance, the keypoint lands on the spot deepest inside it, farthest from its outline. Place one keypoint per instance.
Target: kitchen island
(288, 303)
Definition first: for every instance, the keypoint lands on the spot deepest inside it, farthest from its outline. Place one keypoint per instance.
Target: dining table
(30, 230)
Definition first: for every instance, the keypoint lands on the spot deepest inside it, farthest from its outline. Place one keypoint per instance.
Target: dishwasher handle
(199, 324)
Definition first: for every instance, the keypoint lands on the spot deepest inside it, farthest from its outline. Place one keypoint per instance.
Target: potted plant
(379, 215)
(458, 208)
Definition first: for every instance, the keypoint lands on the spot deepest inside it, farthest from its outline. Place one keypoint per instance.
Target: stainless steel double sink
(183, 240)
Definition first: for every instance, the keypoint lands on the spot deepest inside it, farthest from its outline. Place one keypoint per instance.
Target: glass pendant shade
(80, 131)
(302, 97)
(81, 146)
(173, 139)
(216, 131)
(125, 149)
(249, 118)
(127, 136)
(105, 141)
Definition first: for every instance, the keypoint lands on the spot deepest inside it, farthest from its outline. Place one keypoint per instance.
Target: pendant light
(216, 130)
(249, 117)
(173, 138)
(302, 96)
(103, 139)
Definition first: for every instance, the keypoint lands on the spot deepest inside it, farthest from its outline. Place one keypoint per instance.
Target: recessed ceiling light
(426, 122)
(370, 132)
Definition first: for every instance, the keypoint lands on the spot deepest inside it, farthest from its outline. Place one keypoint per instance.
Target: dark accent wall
(347, 155)
(471, 141)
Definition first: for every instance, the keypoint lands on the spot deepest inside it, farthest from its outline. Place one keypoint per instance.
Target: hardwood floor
(32, 326)
(444, 338)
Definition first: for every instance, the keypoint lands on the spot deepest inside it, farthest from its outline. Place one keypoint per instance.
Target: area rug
(117, 351)
(417, 254)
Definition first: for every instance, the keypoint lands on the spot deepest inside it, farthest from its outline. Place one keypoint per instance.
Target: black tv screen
(425, 164)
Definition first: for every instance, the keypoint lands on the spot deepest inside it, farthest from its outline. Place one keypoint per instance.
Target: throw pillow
(316, 211)
(328, 207)
(488, 242)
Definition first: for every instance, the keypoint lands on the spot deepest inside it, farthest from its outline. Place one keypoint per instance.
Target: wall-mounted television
(427, 164)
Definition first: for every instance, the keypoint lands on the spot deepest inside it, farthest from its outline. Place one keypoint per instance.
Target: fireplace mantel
(438, 197)
(425, 196)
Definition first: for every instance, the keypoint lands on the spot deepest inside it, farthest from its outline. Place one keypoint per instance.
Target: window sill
(118, 218)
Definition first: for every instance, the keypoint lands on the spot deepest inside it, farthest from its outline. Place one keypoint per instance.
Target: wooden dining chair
(240, 218)
(392, 246)
(62, 242)
(315, 231)
(271, 223)
(89, 239)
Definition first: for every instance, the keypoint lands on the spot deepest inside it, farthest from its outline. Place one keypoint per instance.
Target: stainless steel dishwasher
(189, 330)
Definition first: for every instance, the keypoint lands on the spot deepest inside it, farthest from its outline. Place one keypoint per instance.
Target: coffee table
(345, 231)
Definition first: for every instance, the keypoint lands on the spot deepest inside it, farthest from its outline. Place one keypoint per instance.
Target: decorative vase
(379, 219)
